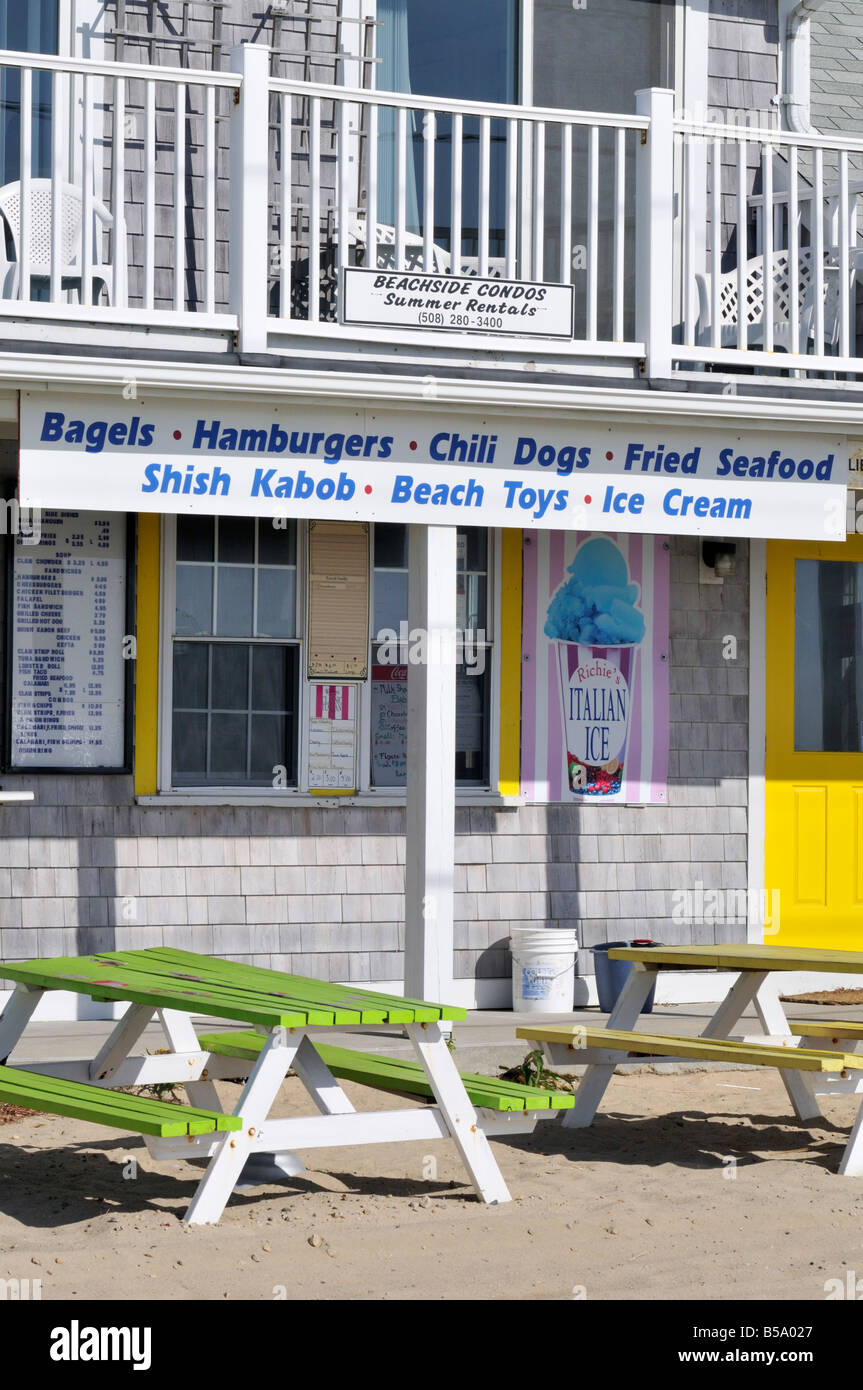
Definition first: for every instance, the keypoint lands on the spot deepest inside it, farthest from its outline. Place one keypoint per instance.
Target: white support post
(250, 150)
(430, 824)
(654, 231)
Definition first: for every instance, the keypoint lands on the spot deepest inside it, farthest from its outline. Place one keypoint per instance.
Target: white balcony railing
(232, 203)
(772, 260)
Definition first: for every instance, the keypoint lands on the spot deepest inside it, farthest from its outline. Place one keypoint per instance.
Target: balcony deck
(218, 214)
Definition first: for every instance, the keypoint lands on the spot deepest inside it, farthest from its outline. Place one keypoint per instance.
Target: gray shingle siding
(320, 891)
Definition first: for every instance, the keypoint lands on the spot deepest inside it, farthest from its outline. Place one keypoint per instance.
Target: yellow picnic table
(812, 1058)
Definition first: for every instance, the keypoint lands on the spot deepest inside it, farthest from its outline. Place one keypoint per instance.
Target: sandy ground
(645, 1204)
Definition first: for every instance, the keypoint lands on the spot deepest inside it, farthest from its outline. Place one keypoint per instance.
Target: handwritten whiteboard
(389, 725)
(69, 622)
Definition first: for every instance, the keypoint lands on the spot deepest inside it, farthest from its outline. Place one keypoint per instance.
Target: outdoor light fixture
(720, 557)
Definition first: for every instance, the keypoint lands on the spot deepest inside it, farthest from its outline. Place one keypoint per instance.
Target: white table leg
(759, 988)
(226, 1165)
(773, 1020)
(329, 1098)
(181, 1035)
(121, 1041)
(319, 1081)
(741, 994)
(852, 1159)
(593, 1085)
(15, 1018)
(456, 1109)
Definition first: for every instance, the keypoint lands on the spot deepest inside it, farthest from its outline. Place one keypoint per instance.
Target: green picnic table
(250, 1145)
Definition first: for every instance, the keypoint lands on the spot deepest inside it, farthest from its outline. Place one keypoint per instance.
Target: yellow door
(814, 767)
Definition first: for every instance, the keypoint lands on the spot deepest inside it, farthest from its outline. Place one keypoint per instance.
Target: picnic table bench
(792, 1047)
(172, 985)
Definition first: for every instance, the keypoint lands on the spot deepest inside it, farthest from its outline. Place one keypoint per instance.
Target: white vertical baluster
(538, 200)
(844, 259)
(456, 193)
(715, 244)
(429, 138)
(742, 248)
(794, 251)
(767, 288)
(26, 162)
(511, 198)
(484, 191)
(593, 234)
(818, 248)
(401, 184)
(344, 191)
(118, 194)
(87, 255)
(210, 200)
(150, 157)
(315, 209)
(689, 315)
(619, 230)
(372, 189)
(566, 205)
(59, 155)
(180, 198)
(526, 243)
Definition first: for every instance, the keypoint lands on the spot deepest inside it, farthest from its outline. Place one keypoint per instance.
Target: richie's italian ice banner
(595, 706)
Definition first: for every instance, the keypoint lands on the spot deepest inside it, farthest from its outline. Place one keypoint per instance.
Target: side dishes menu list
(69, 622)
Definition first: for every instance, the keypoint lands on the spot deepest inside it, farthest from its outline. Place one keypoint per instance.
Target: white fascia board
(39, 372)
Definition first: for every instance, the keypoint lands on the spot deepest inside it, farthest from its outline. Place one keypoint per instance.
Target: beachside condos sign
(431, 465)
(458, 303)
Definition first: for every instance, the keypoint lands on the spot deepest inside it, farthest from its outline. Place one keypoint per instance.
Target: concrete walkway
(484, 1042)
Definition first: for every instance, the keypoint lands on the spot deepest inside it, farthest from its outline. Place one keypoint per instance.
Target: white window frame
(365, 792)
(168, 590)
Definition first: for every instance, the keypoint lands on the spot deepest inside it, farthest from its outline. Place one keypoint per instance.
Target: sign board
(855, 464)
(457, 303)
(595, 688)
(69, 621)
(338, 640)
(389, 725)
(332, 737)
(432, 465)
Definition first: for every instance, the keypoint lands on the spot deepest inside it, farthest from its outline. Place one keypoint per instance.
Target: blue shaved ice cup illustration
(596, 626)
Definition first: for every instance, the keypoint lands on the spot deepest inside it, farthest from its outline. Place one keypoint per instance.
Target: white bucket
(543, 969)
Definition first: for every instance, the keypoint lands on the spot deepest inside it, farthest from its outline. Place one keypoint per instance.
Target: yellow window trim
(509, 782)
(146, 751)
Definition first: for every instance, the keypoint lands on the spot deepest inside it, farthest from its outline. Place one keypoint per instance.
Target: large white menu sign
(69, 622)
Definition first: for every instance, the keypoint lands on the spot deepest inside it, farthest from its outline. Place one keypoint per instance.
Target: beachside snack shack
(221, 596)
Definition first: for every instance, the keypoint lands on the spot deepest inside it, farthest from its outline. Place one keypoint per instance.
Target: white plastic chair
(781, 290)
(441, 259)
(71, 270)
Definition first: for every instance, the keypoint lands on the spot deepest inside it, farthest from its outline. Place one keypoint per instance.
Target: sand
(643, 1205)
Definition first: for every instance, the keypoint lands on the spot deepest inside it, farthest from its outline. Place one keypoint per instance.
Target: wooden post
(431, 764)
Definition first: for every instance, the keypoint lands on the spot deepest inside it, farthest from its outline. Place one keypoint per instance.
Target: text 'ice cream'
(597, 606)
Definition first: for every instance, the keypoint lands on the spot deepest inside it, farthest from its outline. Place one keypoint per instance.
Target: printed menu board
(333, 737)
(68, 629)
